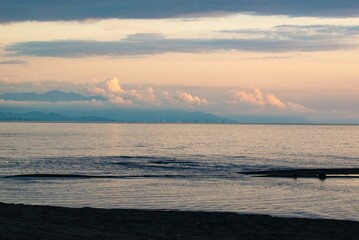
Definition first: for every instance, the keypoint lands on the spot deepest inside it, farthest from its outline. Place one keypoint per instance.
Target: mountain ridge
(186, 117)
(50, 96)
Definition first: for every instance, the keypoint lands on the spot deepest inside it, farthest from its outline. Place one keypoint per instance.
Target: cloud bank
(284, 38)
(260, 99)
(116, 94)
(47, 10)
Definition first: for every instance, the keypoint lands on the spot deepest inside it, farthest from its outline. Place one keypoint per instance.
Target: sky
(228, 57)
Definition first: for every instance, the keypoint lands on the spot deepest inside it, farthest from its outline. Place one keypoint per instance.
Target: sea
(195, 167)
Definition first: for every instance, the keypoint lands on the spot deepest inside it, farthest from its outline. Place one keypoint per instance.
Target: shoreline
(18, 221)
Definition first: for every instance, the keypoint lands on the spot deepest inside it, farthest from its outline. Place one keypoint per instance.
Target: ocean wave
(83, 176)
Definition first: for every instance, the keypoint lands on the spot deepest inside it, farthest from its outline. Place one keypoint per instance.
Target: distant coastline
(59, 106)
(179, 122)
(182, 117)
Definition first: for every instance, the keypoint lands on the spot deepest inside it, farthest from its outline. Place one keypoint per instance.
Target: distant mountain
(144, 116)
(51, 96)
(49, 117)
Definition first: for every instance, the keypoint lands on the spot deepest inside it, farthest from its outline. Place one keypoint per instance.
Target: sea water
(181, 166)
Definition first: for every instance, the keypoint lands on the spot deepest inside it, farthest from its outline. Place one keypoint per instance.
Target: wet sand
(43, 222)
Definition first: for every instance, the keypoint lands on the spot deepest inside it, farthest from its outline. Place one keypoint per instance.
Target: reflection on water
(191, 167)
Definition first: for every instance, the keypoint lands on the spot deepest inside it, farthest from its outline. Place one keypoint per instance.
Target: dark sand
(39, 222)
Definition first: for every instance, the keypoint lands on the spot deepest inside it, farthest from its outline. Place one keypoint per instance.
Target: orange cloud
(116, 94)
(113, 86)
(258, 98)
(189, 99)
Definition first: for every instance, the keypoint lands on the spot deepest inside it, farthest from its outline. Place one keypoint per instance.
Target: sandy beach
(44, 222)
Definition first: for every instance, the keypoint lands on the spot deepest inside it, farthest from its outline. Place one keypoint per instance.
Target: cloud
(190, 99)
(11, 62)
(275, 102)
(255, 98)
(113, 86)
(147, 96)
(260, 99)
(45, 10)
(284, 38)
(144, 96)
(299, 32)
(318, 29)
(113, 91)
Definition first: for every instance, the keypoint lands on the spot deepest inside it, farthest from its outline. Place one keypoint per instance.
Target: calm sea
(181, 166)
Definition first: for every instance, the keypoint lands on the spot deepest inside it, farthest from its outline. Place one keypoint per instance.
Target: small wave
(52, 176)
(173, 162)
(152, 166)
(82, 176)
(135, 157)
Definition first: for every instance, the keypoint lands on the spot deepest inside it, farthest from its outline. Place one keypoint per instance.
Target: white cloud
(255, 98)
(275, 102)
(258, 98)
(113, 91)
(113, 86)
(144, 96)
(298, 107)
(190, 99)
(120, 100)
(116, 94)
(98, 91)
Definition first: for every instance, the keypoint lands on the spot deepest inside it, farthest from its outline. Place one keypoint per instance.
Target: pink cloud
(190, 99)
(258, 98)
